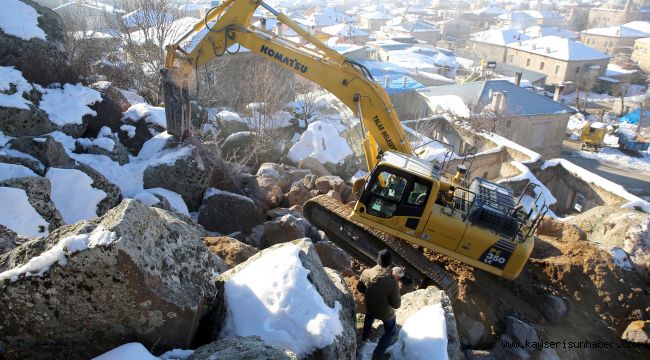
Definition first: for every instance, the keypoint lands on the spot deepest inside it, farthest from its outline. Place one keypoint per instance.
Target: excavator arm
(230, 25)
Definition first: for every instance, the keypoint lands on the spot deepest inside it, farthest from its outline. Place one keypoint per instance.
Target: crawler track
(363, 242)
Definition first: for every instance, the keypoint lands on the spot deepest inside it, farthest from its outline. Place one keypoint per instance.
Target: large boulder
(113, 192)
(553, 308)
(282, 229)
(326, 282)
(135, 274)
(265, 190)
(334, 257)
(47, 150)
(38, 190)
(242, 348)
(190, 176)
(23, 122)
(41, 61)
(414, 301)
(11, 156)
(227, 212)
(9, 240)
(298, 194)
(471, 331)
(232, 251)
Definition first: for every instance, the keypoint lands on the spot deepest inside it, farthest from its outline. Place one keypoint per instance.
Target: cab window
(389, 186)
(382, 208)
(418, 195)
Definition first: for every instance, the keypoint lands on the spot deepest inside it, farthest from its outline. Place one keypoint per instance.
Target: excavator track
(363, 242)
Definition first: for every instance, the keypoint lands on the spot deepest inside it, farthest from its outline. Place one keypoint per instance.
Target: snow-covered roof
(414, 26)
(491, 11)
(344, 30)
(519, 101)
(538, 31)
(641, 26)
(559, 48)
(617, 31)
(498, 36)
(530, 14)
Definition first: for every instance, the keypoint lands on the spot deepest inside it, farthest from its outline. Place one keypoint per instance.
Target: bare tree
(143, 33)
(307, 94)
(621, 89)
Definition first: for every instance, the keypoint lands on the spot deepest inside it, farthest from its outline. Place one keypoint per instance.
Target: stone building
(562, 60)
(615, 13)
(492, 44)
(419, 30)
(615, 40)
(373, 21)
(529, 119)
(641, 54)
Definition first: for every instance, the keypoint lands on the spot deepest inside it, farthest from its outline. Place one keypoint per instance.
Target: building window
(541, 65)
(557, 68)
(578, 70)
(527, 62)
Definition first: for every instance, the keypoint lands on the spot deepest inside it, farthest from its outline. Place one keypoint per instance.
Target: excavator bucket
(177, 102)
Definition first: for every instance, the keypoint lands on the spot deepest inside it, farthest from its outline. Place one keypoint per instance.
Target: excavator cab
(480, 223)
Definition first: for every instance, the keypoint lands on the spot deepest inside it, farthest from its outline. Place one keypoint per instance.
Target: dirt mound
(601, 298)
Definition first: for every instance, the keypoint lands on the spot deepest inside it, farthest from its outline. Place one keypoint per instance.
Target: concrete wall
(599, 17)
(641, 54)
(541, 133)
(409, 105)
(555, 70)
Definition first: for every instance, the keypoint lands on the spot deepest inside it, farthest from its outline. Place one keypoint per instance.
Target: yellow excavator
(405, 200)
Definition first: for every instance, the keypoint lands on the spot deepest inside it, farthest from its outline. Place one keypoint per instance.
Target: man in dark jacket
(382, 297)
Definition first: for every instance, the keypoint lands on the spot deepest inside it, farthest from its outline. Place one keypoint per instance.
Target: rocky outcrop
(135, 274)
(414, 301)
(327, 283)
(232, 251)
(242, 348)
(38, 191)
(227, 212)
(42, 62)
(20, 122)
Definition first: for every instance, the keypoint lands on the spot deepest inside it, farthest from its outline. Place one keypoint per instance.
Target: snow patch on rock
(282, 307)
(68, 105)
(17, 214)
(20, 20)
(13, 171)
(176, 201)
(39, 265)
(423, 336)
(322, 142)
(8, 76)
(151, 114)
(73, 195)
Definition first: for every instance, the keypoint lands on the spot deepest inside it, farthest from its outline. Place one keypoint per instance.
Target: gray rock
(298, 194)
(229, 127)
(471, 331)
(553, 308)
(242, 348)
(250, 148)
(280, 230)
(505, 350)
(265, 190)
(637, 332)
(38, 191)
(119, 153)
(313, 165)
(41, 61)
(10, 156)
(328, 284)
(19, 122)
(227, 212)
(192, 175)
(113, 192)
(521, 331)
(414, 301)
(9, 240)
(333, 256)
(152, 284)
(286, 175)
(238, 143)
(49, 151)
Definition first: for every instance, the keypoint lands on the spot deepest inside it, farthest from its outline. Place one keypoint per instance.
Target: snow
(128, 177)
(102, 142)
(176, 202)
(17, 214)
(423, 335)
(73, 195)
(358, 175)
(614, 70)
(500, 140)
(210, 192)
(591, 178)
(19, 154)
(69, 104)
(322, 142)
(130, 351)
(621, 258)
(13, 171)
(282, 307)
(39, 265)
(618, 159)
(146, 198)
(176, 354)
(151, 114)
(4, 139)
(20, 20)
(499, 36)
(8, 76)
(129, 130)
(229, 116)
(559, 48)
(451, 104)
(132, 97)
(527, 201)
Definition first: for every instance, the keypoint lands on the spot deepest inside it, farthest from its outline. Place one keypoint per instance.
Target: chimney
(518, 78)
(558, 92)
(498, 101)
(533, 46)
